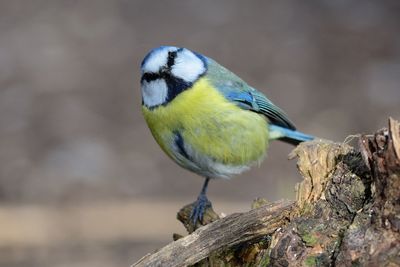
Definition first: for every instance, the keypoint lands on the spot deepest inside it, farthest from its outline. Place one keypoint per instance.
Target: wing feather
(246, 97)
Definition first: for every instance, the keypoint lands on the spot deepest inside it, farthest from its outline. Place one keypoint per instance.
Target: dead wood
(347, 213)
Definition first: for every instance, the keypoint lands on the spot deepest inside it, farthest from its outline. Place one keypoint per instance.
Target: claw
(201, 204)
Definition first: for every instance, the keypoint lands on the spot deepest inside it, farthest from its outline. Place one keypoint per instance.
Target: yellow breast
(210, 125)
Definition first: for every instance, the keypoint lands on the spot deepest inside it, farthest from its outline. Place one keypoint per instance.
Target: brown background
(83, 183)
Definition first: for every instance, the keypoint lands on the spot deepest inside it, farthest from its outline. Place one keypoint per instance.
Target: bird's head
(167, 71)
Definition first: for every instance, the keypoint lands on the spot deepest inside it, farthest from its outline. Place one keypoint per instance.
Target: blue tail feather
(290, 136)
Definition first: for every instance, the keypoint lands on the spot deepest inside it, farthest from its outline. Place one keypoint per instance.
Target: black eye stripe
(171, 59)
(150, 76)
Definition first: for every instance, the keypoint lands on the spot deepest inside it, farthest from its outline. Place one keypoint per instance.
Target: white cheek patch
(187, 66)
(154, 93)
(157, 59)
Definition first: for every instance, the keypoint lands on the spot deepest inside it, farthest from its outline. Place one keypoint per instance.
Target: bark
(347, 213)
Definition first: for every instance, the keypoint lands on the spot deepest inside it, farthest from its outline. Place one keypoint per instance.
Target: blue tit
(206, 118)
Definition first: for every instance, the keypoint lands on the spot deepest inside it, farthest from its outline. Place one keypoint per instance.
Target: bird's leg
(201, 204)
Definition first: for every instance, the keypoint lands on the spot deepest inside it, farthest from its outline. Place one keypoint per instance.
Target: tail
(286, 135)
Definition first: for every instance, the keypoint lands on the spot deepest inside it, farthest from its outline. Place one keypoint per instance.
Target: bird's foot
(199, 207)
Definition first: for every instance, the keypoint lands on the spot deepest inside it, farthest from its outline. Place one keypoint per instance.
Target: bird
(207, 119)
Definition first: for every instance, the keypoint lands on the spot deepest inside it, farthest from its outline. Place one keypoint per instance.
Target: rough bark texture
(347, 213)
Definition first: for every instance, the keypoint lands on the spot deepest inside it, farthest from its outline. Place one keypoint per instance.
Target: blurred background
(83, 183)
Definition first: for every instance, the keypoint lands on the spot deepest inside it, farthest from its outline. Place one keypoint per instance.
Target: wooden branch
(226, 232)
(347, 213)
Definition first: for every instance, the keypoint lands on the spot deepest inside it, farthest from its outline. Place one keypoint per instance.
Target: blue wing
(237, 91)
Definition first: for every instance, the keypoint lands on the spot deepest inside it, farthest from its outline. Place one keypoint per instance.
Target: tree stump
(347, 213)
